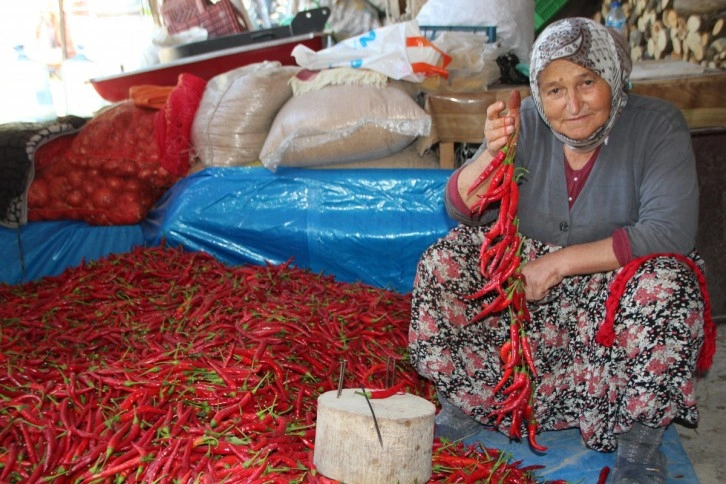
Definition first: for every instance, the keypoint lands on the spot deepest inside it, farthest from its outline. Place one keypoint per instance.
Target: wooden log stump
(347, 448)
(698, 7)
(670, 18)
(676, 29)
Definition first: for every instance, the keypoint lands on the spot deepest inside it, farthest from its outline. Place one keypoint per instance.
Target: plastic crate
(544, 10)
(431, 31)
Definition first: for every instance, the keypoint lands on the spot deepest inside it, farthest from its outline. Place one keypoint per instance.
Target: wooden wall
(708, 146)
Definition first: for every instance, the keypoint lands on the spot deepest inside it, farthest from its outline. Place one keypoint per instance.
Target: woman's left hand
(541, 275)
(546, 272)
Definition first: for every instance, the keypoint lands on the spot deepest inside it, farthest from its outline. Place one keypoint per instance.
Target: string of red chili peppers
(500, 263)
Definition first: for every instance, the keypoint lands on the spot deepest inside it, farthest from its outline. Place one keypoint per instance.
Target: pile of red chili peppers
(161, 365)
(500, 263)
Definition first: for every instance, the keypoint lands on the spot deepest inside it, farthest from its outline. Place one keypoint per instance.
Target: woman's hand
(499, 126)
(546, 272)
(541, 275)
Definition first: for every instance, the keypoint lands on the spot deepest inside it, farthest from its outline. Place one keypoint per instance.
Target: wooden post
(347, 448)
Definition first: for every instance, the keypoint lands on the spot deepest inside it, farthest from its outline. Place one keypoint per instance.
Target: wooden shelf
(459, 117)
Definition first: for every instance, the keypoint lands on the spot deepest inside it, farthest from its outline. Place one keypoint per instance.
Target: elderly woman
(609, 177)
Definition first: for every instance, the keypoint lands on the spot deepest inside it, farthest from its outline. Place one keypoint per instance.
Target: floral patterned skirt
(647, 375)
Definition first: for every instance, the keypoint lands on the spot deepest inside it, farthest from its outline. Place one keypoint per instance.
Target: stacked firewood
(689, 30)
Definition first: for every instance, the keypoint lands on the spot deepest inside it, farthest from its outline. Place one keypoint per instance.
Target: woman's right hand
(499, 126)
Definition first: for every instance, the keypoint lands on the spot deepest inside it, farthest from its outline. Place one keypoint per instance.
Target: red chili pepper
(494, 231)
(508, 371)
(10, 461)
(121, 467)
(144, 398)
(528, 357)
(510, 251)
(515, 428)
(134, 432)
(504, 208)
(603, 477)
(492, 195)
(511, 268)
(514, 337)
(500, 303)
(481, 474)
(509, 400)
(518, 302)
(514, 199)
(532, 427)
(516, 400)
(388, 392)
(505, 351)
(455, 460)
(116, 438)
(498, 177)
(490, 256)
(532, 437)
(236, 407)
(515, 100)
(494, 284)
(490, 168)
(520, 379)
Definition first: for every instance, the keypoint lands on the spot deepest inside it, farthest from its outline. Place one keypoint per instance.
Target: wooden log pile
(689, 30)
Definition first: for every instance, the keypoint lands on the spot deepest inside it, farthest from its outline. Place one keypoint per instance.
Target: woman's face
(576, 101)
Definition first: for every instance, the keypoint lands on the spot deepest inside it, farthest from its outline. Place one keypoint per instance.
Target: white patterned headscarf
(594, 47)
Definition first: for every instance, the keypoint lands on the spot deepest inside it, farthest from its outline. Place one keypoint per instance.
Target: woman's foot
(639, 459)
(653, 472)
(452, 423)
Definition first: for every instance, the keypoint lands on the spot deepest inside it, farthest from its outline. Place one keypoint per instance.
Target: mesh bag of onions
(109, 174)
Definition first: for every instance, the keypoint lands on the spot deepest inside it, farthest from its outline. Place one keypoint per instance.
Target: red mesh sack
(110, 174)
(44, 160)
(174, 124)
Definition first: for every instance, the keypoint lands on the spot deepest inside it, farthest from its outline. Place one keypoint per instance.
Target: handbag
(218, 19)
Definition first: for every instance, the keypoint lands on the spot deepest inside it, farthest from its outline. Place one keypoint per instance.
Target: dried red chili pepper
(532, 429)
(488, 171)
(520, 379)
(163, 383)
(500, 303)
(527, 352)
(515, 428)
(388, 392)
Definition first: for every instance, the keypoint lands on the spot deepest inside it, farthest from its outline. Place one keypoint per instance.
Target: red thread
(606, 333)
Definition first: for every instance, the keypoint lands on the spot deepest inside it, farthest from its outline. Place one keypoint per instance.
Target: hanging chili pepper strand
(501, 263)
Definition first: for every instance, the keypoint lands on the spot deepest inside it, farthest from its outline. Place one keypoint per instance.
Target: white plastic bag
(399, 51)
(474, 63)
(514, 20)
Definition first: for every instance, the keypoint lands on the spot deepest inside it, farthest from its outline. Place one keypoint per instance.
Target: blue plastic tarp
(569, 460)
(367, 225)
(48, 248)
(359, 225)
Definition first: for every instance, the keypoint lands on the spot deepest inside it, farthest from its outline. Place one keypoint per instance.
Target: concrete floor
(706, 443)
